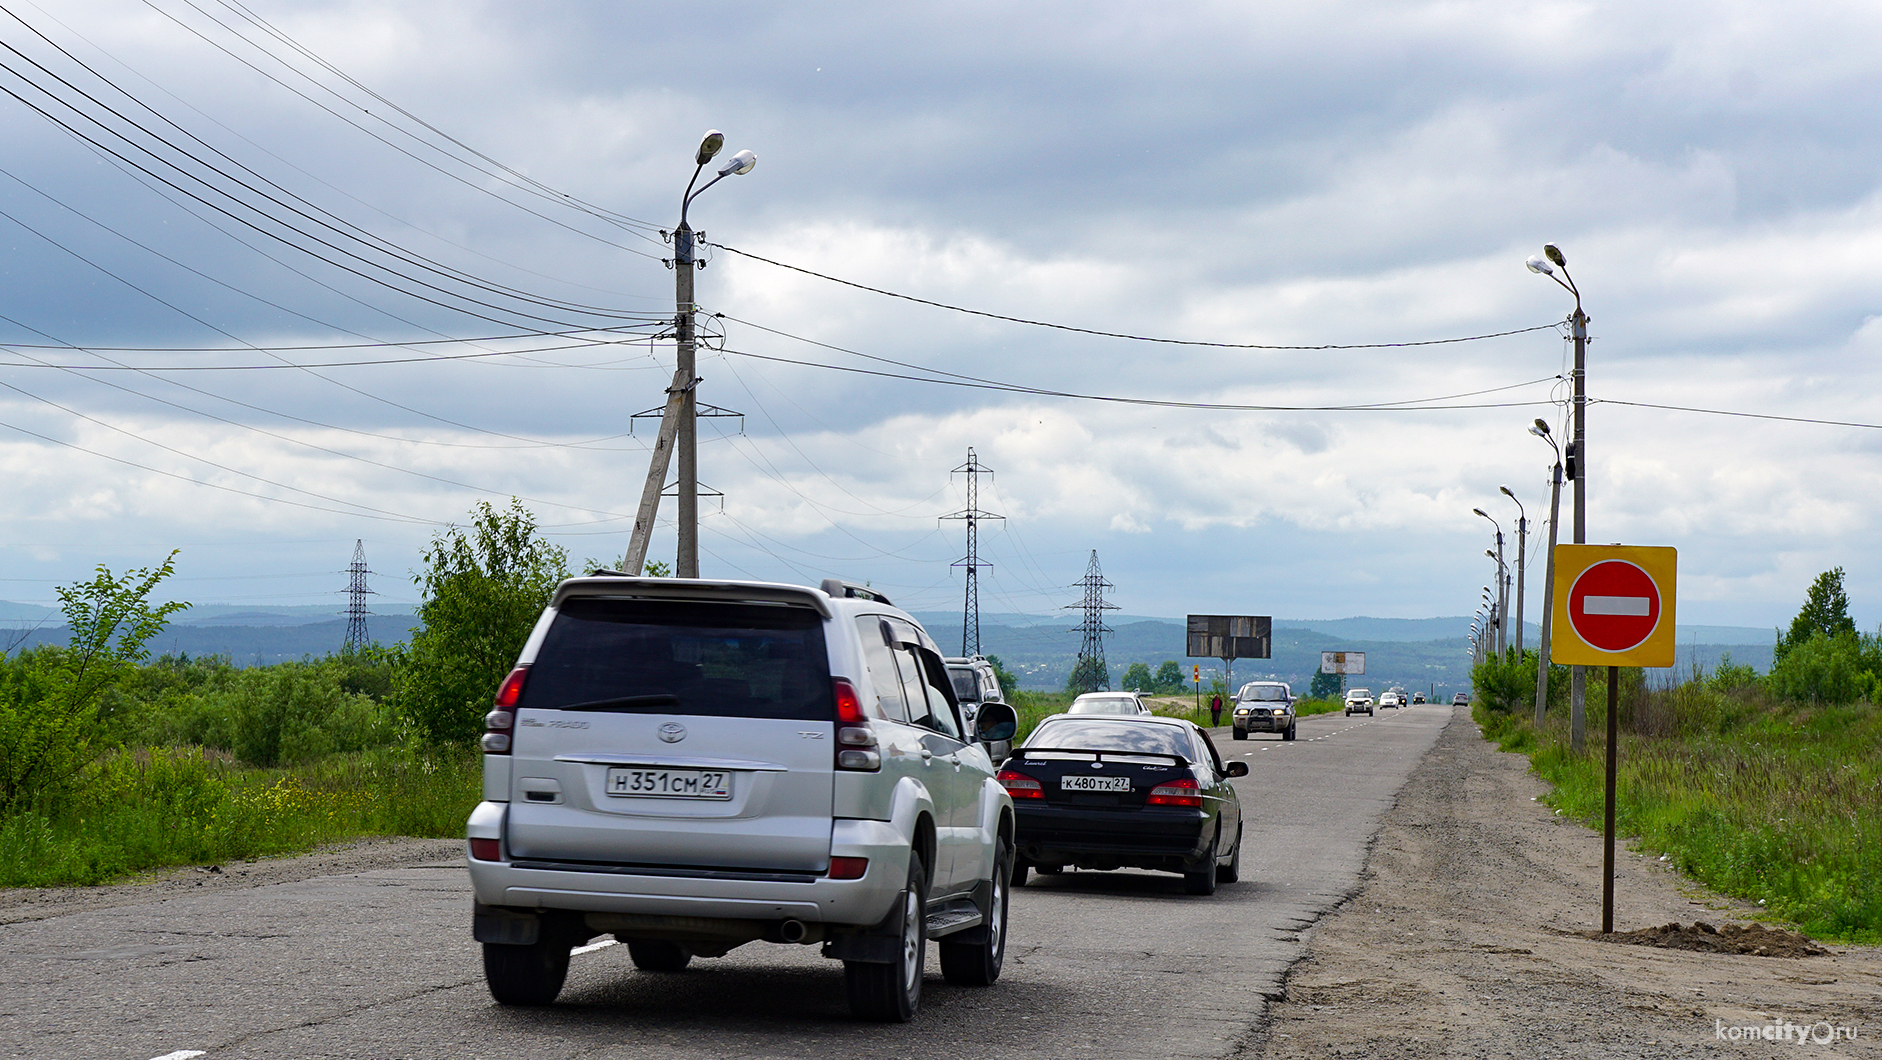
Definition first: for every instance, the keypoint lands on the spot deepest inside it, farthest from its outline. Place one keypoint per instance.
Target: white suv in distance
(1358, 699)
(693, 765)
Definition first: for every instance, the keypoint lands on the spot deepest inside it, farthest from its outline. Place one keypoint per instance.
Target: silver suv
(694, 765)
(974, 683)
(1264, 706)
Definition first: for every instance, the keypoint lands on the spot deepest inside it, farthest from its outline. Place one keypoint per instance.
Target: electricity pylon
(1089, 673)
(970, 611)
(356, 592)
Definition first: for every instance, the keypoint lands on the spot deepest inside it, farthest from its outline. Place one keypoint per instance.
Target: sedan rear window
(671, 657)
(1091, 734)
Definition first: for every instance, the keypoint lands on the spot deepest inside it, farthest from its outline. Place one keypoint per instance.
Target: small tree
(484, 588)
(1327, 686)
(50, 724)
(1170, 679)
(1137, 679)
(1825, 614)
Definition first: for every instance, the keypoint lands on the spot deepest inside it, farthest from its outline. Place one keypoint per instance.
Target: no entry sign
(1618, 607)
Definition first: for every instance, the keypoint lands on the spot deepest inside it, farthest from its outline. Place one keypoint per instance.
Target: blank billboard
(1231, 637)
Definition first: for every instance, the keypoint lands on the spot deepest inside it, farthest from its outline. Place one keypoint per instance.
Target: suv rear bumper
(690, 892)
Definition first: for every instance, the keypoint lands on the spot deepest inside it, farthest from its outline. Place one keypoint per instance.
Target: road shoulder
(1466, 938)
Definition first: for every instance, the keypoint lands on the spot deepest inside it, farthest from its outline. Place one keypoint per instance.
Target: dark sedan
(1105, 793)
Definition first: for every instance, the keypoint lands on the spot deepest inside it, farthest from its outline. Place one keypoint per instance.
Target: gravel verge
(1469, 936)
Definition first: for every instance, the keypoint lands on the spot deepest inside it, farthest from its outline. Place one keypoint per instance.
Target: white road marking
(180, 1054)
(576, 952)
(1616, 605)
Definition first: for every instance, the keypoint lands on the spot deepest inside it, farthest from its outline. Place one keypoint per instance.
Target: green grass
(157, 808)
(1765, 801)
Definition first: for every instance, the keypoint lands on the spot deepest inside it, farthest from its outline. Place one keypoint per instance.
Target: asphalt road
(381, 964)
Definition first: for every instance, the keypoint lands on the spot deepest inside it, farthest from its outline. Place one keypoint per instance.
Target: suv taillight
(500, 724)
(1183, 791)
(855, 740)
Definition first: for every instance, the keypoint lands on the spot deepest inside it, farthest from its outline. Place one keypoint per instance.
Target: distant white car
(1108, 703)
(1391, 699)
(1357, 700)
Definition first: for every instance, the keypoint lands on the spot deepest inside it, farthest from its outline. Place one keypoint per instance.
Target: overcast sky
(1282, 174)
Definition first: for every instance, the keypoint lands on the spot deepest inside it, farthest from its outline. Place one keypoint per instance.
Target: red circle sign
(1614, 605)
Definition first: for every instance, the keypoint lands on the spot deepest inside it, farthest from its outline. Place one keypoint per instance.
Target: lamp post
(1577, 456)
(1501, 625)
(1522, 560)
(684, 262)
(1575, 716)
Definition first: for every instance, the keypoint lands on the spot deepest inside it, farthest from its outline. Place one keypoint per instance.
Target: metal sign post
(1618, 611)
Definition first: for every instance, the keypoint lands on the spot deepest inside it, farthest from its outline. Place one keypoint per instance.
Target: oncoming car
(1264, 706)
(1106, 792)
(1358, 700)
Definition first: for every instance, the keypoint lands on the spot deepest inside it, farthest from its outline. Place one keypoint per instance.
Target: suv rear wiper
(626, 703)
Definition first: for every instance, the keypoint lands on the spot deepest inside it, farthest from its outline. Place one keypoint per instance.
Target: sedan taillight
(1021, 786)
(1182, 791)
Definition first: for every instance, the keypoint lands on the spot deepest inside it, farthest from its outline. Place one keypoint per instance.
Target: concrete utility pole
(1522, 542)
(1541, 430)
(679, 421)
(1577, 451)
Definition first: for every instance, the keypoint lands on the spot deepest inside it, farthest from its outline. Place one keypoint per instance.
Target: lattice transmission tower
(1090, 674)
(970, 610)
(357, 637)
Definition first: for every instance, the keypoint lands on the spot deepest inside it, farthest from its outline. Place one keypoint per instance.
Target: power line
(1742, 415)
(1126, 335)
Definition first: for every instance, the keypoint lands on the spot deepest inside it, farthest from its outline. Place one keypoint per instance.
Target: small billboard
(1230, 637)
(1342, 662)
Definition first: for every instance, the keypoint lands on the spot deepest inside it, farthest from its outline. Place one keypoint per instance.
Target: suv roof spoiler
(839, 588)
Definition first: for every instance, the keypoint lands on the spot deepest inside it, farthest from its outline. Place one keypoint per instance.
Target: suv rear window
(667, 657)
(966, 684)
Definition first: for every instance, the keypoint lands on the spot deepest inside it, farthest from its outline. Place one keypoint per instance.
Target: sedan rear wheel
(1201, 879)
(1232, 872)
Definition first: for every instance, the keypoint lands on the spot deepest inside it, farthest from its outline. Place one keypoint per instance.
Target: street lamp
(1576, 718)
(1522, 561)
(679, 421)
(1502, 637)
(1577, 456)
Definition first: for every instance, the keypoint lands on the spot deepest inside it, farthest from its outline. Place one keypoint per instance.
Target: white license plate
(628, 782)
(1080, 782)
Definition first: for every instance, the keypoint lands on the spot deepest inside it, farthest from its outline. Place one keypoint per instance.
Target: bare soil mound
(1752, 940)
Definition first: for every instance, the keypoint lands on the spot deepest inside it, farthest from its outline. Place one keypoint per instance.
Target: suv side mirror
(996, 723)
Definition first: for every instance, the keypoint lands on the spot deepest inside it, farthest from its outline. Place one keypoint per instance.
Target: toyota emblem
(1097, 765)
(673, 732)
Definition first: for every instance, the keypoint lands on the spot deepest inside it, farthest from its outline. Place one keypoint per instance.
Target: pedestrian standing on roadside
(1215, 709)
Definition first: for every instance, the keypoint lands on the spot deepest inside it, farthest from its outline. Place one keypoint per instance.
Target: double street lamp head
(709, 146)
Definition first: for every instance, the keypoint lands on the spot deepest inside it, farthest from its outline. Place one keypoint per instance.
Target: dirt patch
(1751, 940)
(1472, 934)
(336, 859)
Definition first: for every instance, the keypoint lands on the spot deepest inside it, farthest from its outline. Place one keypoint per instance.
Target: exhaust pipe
(793, 931)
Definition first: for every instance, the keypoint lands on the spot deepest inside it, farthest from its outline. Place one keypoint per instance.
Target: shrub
(1821, 669)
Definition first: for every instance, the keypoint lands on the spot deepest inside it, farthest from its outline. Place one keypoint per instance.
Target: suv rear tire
(978, 963)
(527, 975)
(891, 993)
